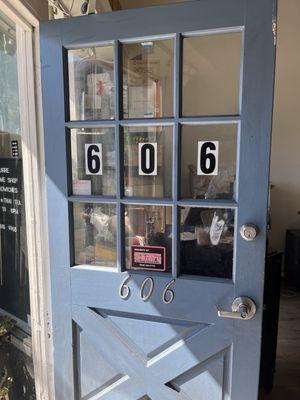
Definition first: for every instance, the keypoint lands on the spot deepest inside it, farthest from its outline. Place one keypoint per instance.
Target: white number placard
(147, 158)
(93, 159)
(208, 158)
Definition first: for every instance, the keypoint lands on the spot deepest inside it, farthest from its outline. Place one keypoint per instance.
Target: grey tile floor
(287, 376)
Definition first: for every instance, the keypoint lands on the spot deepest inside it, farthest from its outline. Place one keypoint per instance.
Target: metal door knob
(242, 308)
(249, 231)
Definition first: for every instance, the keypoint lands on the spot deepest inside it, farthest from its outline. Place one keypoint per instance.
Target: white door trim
(28, 59)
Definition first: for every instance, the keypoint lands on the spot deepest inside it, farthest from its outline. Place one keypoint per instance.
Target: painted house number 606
(146, 290)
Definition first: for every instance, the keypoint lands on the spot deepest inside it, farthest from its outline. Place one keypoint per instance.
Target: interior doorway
(284, 199)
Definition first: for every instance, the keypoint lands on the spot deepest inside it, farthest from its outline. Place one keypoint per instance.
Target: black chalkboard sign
(14, 283)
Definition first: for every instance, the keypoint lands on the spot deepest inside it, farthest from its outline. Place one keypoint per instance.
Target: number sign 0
(148, 159)
(208, 158)
(93, 159)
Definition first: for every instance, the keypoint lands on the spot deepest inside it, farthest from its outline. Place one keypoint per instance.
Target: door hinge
(274, 30)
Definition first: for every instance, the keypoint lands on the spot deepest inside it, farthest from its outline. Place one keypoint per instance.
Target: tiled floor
(287, 377)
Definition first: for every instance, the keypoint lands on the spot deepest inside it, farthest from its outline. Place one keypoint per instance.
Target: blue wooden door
(157, 135)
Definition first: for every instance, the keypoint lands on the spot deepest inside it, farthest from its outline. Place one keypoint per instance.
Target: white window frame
(27, 32)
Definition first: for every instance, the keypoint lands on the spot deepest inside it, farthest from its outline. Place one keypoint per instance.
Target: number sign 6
(208, 158)
(168, 294)
(124, 290)
(93, 158)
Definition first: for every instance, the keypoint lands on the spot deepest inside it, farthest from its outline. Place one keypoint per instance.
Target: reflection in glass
(196, 184)
(148, 79)
(14, 282)
(206, 241)
(91, 83)
(211, 74)
(18, 364)
(148, 237)
(156, 179)
(95, 234)
(93, 161)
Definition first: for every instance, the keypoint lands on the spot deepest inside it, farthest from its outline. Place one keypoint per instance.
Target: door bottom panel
(125, 356)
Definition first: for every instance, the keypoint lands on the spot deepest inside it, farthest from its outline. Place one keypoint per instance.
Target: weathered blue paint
(129, 349)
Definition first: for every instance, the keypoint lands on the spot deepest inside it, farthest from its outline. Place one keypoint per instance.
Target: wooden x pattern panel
(146, 377)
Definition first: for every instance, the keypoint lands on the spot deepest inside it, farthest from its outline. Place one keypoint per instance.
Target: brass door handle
(242, 308)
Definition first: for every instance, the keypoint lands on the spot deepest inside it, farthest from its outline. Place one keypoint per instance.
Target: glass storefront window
(14, 285)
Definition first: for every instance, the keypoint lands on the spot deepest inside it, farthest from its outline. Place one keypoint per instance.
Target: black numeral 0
(207, 158)
(93, 160)
(150, 149)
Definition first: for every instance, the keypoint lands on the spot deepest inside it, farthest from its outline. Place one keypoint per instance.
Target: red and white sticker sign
(208, 158)
(148, 258)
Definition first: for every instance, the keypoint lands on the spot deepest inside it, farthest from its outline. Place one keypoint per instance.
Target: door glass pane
(95, 234)
(148, 237)
(206, 241)
(148, 79)
(91, 83)
(148, 161)
(93, 161)
(211, 74)
(208, 161)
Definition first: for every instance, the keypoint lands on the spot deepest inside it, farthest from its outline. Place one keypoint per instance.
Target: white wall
(285, 160)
